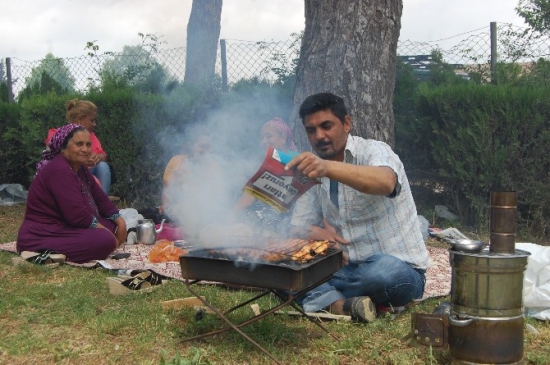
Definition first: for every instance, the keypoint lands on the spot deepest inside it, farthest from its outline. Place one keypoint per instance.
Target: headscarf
(55, 144)
(283, 128)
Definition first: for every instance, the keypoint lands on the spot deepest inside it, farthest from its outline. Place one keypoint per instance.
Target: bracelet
(114, 216)
(95, 222)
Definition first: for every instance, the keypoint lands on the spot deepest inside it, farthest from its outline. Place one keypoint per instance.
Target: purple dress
(61, 206)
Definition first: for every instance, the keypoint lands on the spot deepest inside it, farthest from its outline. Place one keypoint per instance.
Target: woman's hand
(121, 232)
(93, 160)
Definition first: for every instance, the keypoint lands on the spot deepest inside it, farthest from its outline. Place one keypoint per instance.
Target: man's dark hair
(324, 101)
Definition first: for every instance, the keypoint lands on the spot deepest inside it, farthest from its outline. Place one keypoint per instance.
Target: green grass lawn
(67, 316)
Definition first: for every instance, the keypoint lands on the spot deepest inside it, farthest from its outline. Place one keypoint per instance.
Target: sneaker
(360, 309)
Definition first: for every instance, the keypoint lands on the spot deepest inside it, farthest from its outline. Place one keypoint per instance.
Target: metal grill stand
(288, 300)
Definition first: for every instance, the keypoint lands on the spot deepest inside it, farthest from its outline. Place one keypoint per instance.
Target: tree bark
(203, 32)
(349, 48)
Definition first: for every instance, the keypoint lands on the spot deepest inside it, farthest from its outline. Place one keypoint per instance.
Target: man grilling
(365, 204)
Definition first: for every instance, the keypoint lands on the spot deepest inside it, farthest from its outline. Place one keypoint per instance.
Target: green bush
(12, 170)
(36, 115)
(483, 138)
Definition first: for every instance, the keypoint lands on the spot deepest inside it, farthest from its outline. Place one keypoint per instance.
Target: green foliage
(177, 359)
(10, 155)
(51, 75)
(4, 92)
(36, 115)
(442, 73)
(45, 85)
(536, 13)
(485, 138)
(135, 67)
(3, 84)
(537, 75)
(459, 139)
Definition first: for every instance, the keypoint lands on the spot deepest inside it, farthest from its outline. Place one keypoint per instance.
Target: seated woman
(177, 168)
(66, 210)
(182, 169)
(277, 134)
(84, 112)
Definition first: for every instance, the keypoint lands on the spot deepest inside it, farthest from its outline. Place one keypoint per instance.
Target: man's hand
(309, 165)
(340, 242)
(327, 232)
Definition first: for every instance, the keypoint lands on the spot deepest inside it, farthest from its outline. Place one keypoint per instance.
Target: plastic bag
(131, 216)
(536, 281)
(165, 251)
(11, 194)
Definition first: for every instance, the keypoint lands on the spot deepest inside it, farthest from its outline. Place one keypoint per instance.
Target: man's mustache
(321, 144)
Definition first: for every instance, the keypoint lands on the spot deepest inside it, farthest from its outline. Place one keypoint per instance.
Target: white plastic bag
(536, 281)
(11, 194)
(131, 216)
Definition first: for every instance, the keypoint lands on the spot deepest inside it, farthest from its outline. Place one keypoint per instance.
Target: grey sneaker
(360, 309)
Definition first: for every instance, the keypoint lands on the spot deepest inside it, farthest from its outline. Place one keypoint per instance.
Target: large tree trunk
(349, 48)
(203, 32)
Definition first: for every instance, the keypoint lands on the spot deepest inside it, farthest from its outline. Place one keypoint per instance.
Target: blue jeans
(387, 280)
(103, 173)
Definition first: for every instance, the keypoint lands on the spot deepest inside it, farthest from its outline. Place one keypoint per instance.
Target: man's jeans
(103, 173)
(387, 280)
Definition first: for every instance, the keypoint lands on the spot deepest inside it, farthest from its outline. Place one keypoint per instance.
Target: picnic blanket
(438, 275)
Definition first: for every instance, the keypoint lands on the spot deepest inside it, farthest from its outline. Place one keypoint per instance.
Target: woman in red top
(84, 112)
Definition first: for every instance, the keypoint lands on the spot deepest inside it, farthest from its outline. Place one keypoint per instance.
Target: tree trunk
(349, 48)
(203, 32)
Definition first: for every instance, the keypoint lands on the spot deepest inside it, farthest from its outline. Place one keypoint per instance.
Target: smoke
(212, 180)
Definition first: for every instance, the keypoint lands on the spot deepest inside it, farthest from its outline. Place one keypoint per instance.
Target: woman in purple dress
(66, 210)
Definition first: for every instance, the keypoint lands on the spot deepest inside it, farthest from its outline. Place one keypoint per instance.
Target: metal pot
(466, 245)
(486, 320)
(146, 232)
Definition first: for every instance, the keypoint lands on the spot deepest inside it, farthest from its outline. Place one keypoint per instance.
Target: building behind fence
(237, 60)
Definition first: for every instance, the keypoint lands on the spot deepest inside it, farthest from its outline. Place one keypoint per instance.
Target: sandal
(54, 255)
(118, 285)
(43, 259)
(147, 275)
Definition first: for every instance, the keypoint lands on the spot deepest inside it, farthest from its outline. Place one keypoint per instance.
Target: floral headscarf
(283, 128)
(55, 144)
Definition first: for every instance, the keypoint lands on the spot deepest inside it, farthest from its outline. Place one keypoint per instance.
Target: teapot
(146, 232)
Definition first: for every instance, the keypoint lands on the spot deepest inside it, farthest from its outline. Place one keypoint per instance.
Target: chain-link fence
(237, 60)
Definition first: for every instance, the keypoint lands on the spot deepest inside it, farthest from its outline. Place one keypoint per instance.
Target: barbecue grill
(294, 278)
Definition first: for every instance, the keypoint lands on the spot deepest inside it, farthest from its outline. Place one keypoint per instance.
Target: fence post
(10, 83)
(494, 56)
(223, 56)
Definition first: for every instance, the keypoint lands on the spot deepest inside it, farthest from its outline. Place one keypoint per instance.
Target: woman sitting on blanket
(66, 210)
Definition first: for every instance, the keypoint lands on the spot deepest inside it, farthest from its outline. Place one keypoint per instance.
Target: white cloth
(372, 223)
(536, 281)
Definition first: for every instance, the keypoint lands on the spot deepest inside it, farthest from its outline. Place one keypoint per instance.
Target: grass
(67, 316)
